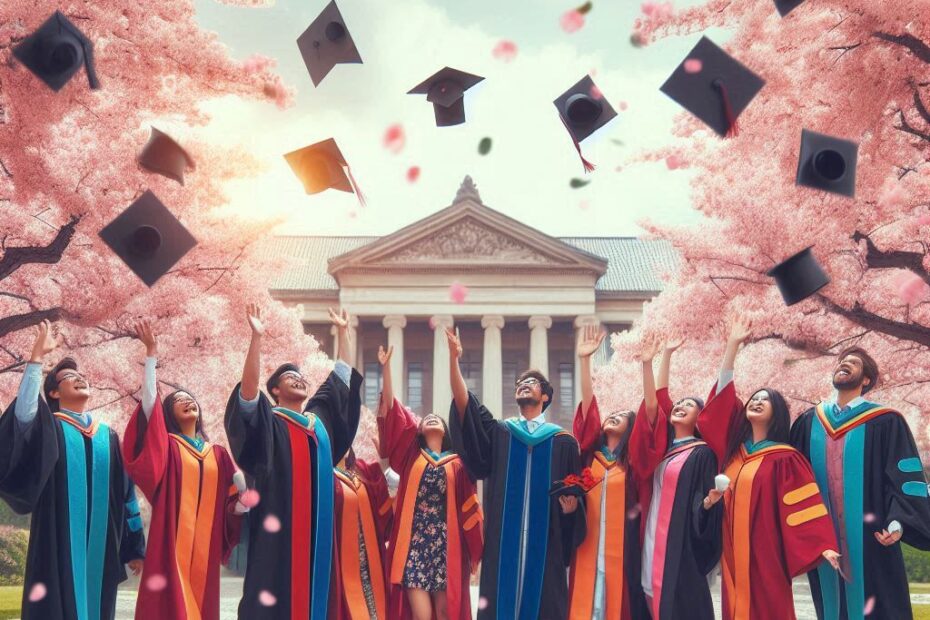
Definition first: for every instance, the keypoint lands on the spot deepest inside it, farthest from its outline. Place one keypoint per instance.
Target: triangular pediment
(470, 236)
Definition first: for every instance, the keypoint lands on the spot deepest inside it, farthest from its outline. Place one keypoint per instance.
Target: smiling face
(759, 408)
(529, 393)
(291, 387)
(848, 374)
(616, 424)
(685, 413)
(432, 426)
(185, 409)
(73, 388)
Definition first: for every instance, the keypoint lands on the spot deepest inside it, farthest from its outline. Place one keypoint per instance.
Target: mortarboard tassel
(355, 187)
(88, 51)
(588, 166)
(733, 127)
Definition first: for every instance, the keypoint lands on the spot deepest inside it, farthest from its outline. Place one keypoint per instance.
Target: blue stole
(530, 455)
(88, 544)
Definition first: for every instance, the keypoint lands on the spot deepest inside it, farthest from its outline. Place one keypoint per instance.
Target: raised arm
(740, 330)
(250, 372)
(27, 398)
(665, 363)
(591, 340)
(341, 321)
(146, 336)
(459, 387)
(387, 382)
(651, 348)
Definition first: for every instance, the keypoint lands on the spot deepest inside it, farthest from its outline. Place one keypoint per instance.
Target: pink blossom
(623, 105)
(869, 606)
(257, 63)
(250, 498)
(267, 599)
(505, 50)
(674, 162)
(892, 195)
(413, 173)
(596, 92)
(911, 287)
(394, 138)
(156, 583)
(693, 65)
(272, 524)
(458, 292)
(37, 592)
(923, 220)
(571, 21)
(869, 517)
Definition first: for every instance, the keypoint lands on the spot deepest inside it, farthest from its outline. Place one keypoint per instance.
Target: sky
(532, 161)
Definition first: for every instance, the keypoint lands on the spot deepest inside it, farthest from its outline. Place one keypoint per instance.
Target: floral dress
(426, 561)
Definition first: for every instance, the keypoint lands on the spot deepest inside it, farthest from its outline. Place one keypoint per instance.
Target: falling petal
(432, 322)
(869, 606)
(250, 498)
(394, 138)
(482, 603)
(623, 105)
(693, 65)
(484, 147)
(156, 583)
(353, 214)
(272, 524)
(267, 599)
(505, 50)
(571, 21)
(585, 8)
(596, 92)
(458, 292)
(576, 183)
(37, 592)
(413, 173)
(869, 517)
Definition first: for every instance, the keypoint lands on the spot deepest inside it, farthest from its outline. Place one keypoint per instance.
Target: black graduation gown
(492, 452)
(883, 482)
(268, 447)
(34, 468)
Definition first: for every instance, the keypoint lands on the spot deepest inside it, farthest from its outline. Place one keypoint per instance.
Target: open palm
(591, 340)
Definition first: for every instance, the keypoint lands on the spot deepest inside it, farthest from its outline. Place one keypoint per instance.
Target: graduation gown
(518, 469)
(775, 524)
(622, 553)
(363, 509)
(193, 526)
(291, 457)
(398, 431)
(71, 479)
(882, 481)
(687, 537)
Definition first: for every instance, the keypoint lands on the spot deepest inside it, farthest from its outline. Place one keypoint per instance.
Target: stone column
(492, 371)
(395, 324)
(580, 323)
(539, 343)
(442, 391)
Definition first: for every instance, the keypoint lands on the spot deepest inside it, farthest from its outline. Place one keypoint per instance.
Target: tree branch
(49, 254)
(921, 108)
(907, 128)
(892, 259)
(869, 320)
(917, 47)
(16, 322)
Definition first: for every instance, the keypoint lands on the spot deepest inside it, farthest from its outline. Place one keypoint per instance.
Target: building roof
(633, 265)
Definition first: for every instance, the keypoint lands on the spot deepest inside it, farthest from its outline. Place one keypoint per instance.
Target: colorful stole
(837, 426)
(87, 544)
(584, 569)
(356, 507)
(304, 495)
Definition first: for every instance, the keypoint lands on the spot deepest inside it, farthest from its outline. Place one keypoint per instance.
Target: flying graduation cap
(326, 43)
(321, 166)
(583, 110)
(445, 89)
(827, 163)
(718, 92)
(799, 276)
(164, 156)
(56, 51)
(786, 6)
(148, 238)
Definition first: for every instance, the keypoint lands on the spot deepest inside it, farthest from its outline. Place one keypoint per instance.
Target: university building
(528, 297)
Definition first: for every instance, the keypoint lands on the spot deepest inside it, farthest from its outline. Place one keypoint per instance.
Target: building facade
(528, 297)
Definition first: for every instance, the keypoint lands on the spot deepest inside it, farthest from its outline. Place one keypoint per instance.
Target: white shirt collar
(535, 423)
(858, 400)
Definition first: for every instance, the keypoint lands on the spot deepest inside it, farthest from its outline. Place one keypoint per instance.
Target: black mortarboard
(56, 51)
(445, 89)
(148, 238)
(786, 6)
(827, 163)
(713, 86)
(326, 43)
(165, 156)
(276, 375)
(321, 166)
(583, 110)
(799, 277)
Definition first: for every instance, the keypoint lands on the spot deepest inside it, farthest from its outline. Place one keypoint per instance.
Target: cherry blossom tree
(855, 69)
(68, 167)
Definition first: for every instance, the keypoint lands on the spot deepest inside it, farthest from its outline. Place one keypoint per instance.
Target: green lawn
(920, 588)
(921, 612)
(10, 598)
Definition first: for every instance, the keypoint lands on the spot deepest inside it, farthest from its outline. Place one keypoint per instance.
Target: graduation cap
(445, 89)
(583, 110)
(827, 163)
(326, 43)
(56, 51)
(164, 156)
(321, 166)
(718, 92)
(799, 276)
(148, 238)
(786, 6)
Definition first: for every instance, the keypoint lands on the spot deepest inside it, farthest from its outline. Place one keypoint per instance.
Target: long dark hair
(621, 452)
(167, 406)
(446, 442)
(779, 426)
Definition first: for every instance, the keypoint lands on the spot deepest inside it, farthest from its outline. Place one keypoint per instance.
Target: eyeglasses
(528, 382)
(71, 376)
(759, 397)
(291, 375)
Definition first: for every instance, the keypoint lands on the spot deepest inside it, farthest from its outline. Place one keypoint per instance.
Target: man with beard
(869, 472)
(530, 536)
(289, 449)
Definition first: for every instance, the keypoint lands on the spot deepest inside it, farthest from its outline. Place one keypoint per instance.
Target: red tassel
(588, 166)
(733, 129)
(355, 187)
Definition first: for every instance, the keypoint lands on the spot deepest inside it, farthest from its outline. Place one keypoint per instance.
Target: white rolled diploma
(721, 483)
(239, 481)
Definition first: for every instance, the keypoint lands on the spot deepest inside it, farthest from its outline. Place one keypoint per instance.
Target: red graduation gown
(193, 526)
(398, 431)
(775, 524)
(360, 499)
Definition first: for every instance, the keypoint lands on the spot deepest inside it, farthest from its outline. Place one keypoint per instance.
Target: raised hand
(340, 319)
(590, 341)
(385, 356)
(455, 343)
(740, 329)
(253, 313)
(673, 345)
(146, 336)
(650, 347)
(45, 342)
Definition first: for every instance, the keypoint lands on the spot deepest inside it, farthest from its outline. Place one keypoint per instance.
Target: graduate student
(363, 515)
(604, 581)
(775, 524)
(681, 536)
(530, 537)
(290, 448)
(63, 467)
(868, 469)
(436, 542)
(196, 515)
